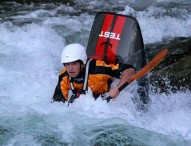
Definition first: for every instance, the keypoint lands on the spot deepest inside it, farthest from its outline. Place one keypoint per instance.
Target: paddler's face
(73, 68)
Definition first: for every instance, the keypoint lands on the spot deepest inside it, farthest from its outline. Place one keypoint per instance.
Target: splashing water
(31, 42)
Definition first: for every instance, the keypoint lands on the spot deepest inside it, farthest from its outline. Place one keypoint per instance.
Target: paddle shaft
(151, 64)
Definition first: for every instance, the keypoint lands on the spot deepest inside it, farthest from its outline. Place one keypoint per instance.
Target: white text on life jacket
(111, 35)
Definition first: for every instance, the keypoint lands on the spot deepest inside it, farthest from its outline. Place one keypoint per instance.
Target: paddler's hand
(114, 92)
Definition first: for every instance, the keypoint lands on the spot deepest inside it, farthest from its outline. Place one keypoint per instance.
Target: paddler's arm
(58, 96)
(58, 93)
(125, 75)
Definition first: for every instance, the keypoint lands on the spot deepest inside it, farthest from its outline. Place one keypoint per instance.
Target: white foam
(30, 57)
(169, 114)
(29, 66)
(156, 26)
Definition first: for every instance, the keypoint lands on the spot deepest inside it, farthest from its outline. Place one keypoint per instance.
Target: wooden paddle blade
(147, 68)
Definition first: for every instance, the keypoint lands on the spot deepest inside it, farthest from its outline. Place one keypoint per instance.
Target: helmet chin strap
(81, 67)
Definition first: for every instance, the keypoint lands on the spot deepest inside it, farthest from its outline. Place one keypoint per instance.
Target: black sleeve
(117, 73)
(58, 96)
(107, 69)
(123, 67)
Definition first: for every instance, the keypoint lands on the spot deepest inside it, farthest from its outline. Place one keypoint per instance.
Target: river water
(32, 37)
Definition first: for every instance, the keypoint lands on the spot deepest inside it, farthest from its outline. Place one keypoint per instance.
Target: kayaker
(80, 73)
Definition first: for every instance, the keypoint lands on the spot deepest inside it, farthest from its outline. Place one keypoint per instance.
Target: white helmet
(73, 52)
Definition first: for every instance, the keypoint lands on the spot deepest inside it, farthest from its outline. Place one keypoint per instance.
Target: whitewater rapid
(30, 46)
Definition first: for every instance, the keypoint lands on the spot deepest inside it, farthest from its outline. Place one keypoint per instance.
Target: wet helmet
(73, 52)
